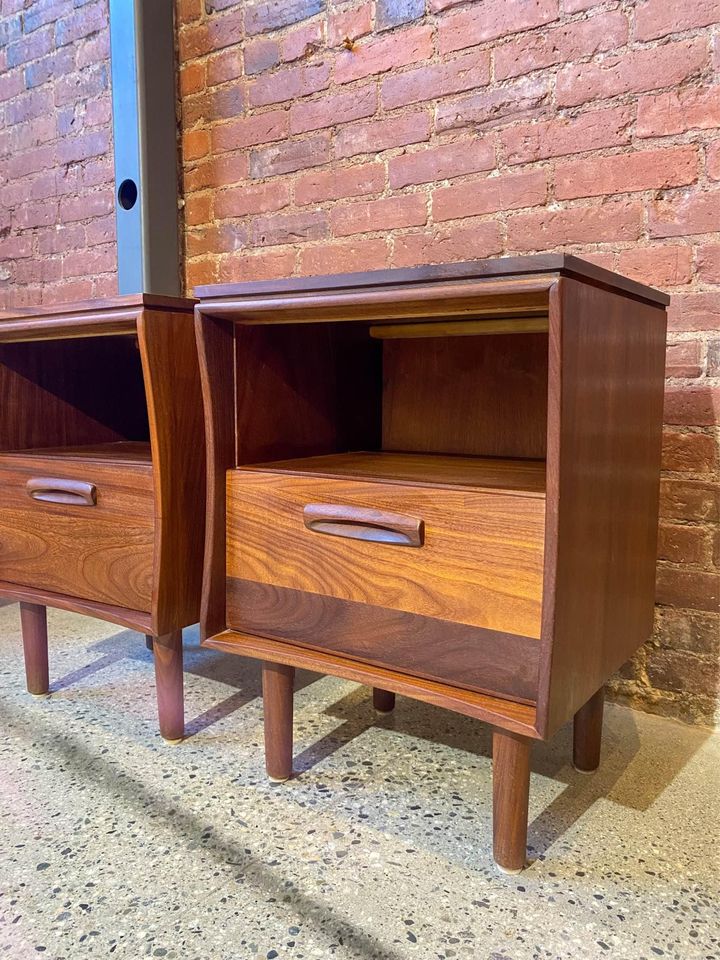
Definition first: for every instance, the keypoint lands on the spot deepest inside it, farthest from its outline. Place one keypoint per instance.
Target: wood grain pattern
(481, 396)
(33, 620)
(131, 619)
(120, 451)
(103, 553)
(511, 792)
(605, 421)
(175, 412)
(277, 686)
(487, 661)
(460, 328)
(481, 563)
(518, 717)
(168, 661)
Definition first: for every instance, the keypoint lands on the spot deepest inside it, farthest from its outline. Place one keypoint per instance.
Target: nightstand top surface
(546, 264)
(98, 305)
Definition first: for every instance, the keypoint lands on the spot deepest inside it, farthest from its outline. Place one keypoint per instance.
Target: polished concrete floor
(115, 843)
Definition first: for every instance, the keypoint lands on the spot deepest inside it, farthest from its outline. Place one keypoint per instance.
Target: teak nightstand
(102, 475)
(441, 482)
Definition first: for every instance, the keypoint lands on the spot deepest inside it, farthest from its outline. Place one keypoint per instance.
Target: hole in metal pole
(127, 194)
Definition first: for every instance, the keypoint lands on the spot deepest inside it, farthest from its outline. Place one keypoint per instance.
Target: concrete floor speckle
(115, 843)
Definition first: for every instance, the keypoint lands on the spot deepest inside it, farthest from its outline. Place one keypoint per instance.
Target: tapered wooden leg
(169, 684)
(277, 683)
(383, 700)
(149, 642)
(511, 792)
(33, 620)
(587, 733)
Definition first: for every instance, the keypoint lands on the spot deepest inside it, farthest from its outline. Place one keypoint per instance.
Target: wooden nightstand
(102, 475)
(441, 482)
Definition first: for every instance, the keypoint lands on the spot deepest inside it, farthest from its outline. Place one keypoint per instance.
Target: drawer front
(79, 528)
(480, 562)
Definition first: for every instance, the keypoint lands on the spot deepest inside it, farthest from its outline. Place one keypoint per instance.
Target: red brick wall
(57, 233)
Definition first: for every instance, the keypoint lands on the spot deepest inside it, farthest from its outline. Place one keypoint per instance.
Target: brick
(664, 266)
(681, 673)
(713, 363)
(687, 214)
(195, 144)
(49, 67)
(695, 453)
(570, 41)
(391, 13)
(221, 103)
(211, 35)
(301, 42)
(694, 311)
(216, 172)
(86, 207)
(478, 197)
(688, 588)
(341, 256)
(15, 247)
(289, 84)
(42, 213)
(282, 228)
(492, 19)
(697, 406)
(251, 199)
(82, 85)
(273, 14)
(379, 55)
(11, 84)
(60, 238)
(428, 83)
(389, 213)
(198, 209)
(585, 224)
(225, 66)
(693, 500)
(188, 10)
(511, 101)
(92, 49)
(349, 24)
(96, 259)
(192, 79)
(289, 156)
(688, 630)
(632, 71)
(626, 173)
(261, 54)
(325, 112)
(268, 265)
(679, 543)
(29, 48)
(199, 273)
(482, 239)
(442, 163)
(82, 23)
(675, 111)
(337, 184)
(712, 160)
(657, 18)
(70, 150)
(38, 103)
(708, 263)
(223, 238)
(248, 131)
(593, 130)
(683, 359)
(378, 135)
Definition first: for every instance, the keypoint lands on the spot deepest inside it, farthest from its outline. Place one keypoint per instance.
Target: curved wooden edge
(516, 717)
(132, 619)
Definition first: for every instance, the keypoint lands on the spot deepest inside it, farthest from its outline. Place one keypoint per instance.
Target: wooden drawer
(99, 551)
(462, 606)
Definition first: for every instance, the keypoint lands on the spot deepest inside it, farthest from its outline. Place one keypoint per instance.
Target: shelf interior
(122, 452)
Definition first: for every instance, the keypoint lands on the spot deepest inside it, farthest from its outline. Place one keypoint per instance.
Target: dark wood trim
(485, 661)
(587, 733)
(277, 686)
(33, 620)
(511, 793)
(517, 717)
(168, 659)
(132, 619)
(70, 308)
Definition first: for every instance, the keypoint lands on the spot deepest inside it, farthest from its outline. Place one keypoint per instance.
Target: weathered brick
(687, 214)
(694, 311)
(281, 228)
(324, 112)
(195, 144)
(680, 543)
(428, 83)
(378, 135)
(712, 160)
(692, 453)
(83, 22)
(465, 242)
(389, 213)
(46, 68)
(696, 589)
(268, 265)
(251, 199)
(686, 630)
(216, 172)
(675, 111)
(200, 272)
(593, 130)
(386, 53)
(340, 256)
(198, 209)
(442, 163)
(708, 263)
(391, 13)
(694, 405)
(349, 24)
(657, 18)
(683, 359)
(289, 156)
(631, 72)
(582, 224)
(491, 20)
(472, 198)
(626, 172)
(336, 184)
(214, 238)
(516, 100)
(29, 48)
(569, 41)
(272, 14)
(192, 79)
(248, 131)
(85, 207)
(713, 359)
(74, 149)
(680, 672)
(694, 500)
(663, 266)
(224, 66)
(261, 54)
(96, 259)
(301, 42)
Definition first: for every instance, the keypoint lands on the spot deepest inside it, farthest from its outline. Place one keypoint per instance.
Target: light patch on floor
(115, 843)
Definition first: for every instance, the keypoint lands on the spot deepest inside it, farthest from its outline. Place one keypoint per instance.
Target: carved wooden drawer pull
(77, 493)
(359, 523)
